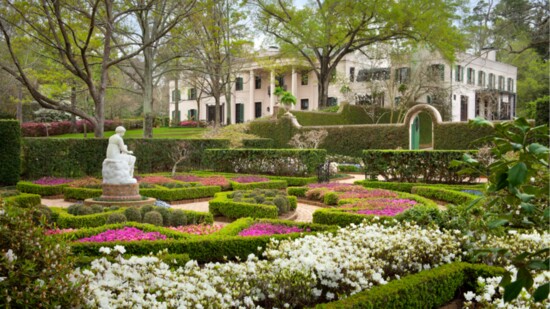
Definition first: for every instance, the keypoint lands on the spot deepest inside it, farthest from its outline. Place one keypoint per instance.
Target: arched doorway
(420, 120)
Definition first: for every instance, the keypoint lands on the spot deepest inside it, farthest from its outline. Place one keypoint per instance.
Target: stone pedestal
(122, 195)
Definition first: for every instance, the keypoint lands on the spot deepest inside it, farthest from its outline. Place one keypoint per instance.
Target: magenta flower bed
(382, 206)
(197, 229)
(376, 193)
(262, 229)
(205, 181)
(51, 181)
(125, 234)
(249, 179)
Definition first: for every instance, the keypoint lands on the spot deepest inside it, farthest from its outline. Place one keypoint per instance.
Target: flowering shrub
(490, 295)
(382, 206)
(51, 181)
(192, 123)
(376, 193)
(259, 229)
(197, 229)
(249, 179)
(58, 231)
(125, 234)
(297, 273)
(86, 182)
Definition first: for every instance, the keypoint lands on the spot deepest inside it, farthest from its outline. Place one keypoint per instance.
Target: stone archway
(411, 121)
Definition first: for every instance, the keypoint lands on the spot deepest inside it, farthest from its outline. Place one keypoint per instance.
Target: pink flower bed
(339, 187)
(188, 178)
(155, 179)
(382, 206)
(261, 229)
(205, 181)
(249, 179)
(125, 234)
(51, 181)
(376, 193)
(58, 231)
(197, 229)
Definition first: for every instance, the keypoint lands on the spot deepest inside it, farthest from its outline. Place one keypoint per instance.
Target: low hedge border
(407, 186)
(23, 200)
(272, 184)
(297, 191)
(450, 196)
(222, 205)
(91, 231)
(42, 190)
(181, 193)
(428, 289)
(70, 193)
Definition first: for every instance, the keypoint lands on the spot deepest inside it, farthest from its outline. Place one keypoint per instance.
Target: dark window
(258, 109)
(239, 83)
(402, 75)
(491, 81)
(437, 72)
(373, 74)
(332, 101)
(192, 114)
(463, 108)
(280, 81)
(459, 73)
(177, 116)
(510, 84)
(501, 83)
(176, 96)
(257, 82)
(352, 74)
(305, 78)
(304, 104)
(211, 113)
(471, 76)
(429, 99)
(481, 78)
(239, 113)
(192, 94)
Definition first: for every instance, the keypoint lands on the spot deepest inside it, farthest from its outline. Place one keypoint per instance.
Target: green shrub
(64, 219)
(23, 200)
(458, 135)
(116, 218)
(85, 210)
(29, 187)
(145, 209)
(282, 204)
(180, 193)
(284, 162)
(222, 205)
(73, 209)
(542, 106)
(132, 214)
(428, 289)
(153, 217)
(294, 181)
(272, 184)
(297, 191)
(33, 270)
(40, 213)
(414, 166)
(166, 215)
(10, 152)
(407, 186)
(179, 218)
(258, 143)
(70, 193)
(450, 196)
(97, 208)
(330, 198)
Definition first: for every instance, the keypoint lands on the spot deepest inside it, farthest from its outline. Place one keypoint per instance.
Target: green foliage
(10, 152)
(153, 217)
(344, 114)
(330, 198)
(458, 135)
(414, 166)
(179, 218)
(70, 193)
(261, 143)
(116, 217)
(66, 220)
(84, 157)
(279, 130)
(440, 194)
(428, 289)
(297, 191)
(91, 231)
(272, 184)
(284, 162)
(223, 205)
(542, 111)
(178, 194)
(132, 214)
(407, 186)
(294, 181)
(23, 200)
(35, 269)
(519, 177)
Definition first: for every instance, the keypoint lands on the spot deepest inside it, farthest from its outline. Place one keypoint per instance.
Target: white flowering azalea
(292, 273)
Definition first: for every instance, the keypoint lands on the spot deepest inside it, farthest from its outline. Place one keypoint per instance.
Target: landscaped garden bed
(257, 203)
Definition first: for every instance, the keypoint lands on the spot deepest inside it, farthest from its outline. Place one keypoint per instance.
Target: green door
(415, 133)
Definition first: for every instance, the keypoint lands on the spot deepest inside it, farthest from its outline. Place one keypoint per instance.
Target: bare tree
(178, 153)
(309, 139)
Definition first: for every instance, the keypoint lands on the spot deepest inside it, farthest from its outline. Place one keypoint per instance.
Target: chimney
(489, 53)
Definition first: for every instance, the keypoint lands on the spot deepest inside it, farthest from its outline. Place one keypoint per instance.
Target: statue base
(120, 195)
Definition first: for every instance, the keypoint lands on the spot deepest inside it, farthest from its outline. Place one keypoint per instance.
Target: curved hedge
(427, 289)
(10, 152)
(272, 184)
(450, 196)
(23, 200)
(178, 194)
(70, 193)
(42, 190)
(407, 186)
(222, 205)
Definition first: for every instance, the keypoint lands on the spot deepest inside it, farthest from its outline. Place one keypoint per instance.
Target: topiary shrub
(153, 217)
(74, 209)
(330, 198)
(282, 204)
(116, 218)
(96, 208)
(85, 210)
(179, 218)
(30, 278)
(10, 152)
(166, 215)
(133, 214)
(145, 209)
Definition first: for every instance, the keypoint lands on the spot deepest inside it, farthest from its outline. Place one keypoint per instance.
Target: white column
(272, 90)
(294, 86)
(249, 108)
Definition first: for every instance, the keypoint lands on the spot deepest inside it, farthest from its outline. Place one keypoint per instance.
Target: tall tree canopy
(322, 32)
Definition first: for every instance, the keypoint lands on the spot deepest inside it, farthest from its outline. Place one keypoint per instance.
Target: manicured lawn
(138, 133)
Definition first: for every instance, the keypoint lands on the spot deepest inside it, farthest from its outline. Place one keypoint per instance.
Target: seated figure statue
(118, 168)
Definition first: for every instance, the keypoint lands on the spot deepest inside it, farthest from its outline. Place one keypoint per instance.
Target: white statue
(118, 168)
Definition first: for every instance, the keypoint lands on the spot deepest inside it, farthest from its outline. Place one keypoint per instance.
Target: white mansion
(471, 86)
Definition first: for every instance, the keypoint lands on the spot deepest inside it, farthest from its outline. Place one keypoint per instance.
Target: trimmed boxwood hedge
(261, 143)
(178, 194)
(428, 289)
(23, 200)
(42, 190)
(70, 193)
(272, 184)
(407, 186)
(222, 205)
(297, 191)
(458, 135)
(281, 162)
(83, 157)
(428, 166)
(291, 180)
(10, 152)
(451, 196)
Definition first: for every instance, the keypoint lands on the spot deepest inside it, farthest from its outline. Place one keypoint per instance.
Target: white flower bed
(296, 272)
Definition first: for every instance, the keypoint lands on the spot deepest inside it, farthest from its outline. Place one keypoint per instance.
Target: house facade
(471, 86)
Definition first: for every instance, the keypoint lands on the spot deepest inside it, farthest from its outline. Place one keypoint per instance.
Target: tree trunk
(175, 97)
(20, 104)
(323, 90)
(73, 106)
(217, 111)
(148, 115)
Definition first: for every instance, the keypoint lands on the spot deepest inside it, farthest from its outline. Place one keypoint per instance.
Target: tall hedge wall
(10, 152)
(458, 135)
(542, 107)
(279, 130)
(346, 115)
(80, 157)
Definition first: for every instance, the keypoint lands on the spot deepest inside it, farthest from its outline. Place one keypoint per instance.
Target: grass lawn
(138, 133)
